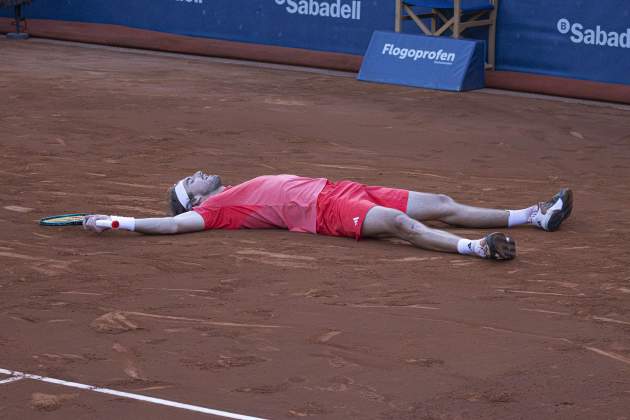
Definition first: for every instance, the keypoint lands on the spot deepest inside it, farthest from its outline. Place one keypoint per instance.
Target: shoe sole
(501, 247)
(559, 216)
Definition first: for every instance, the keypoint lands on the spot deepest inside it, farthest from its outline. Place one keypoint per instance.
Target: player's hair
(174, 206)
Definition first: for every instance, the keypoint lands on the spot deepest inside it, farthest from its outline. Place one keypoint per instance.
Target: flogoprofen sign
(438, 57)
(424, 61)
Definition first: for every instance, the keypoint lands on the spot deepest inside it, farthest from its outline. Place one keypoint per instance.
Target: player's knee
(398, 221)
(446, 204)
(404, 226)
(445, 200)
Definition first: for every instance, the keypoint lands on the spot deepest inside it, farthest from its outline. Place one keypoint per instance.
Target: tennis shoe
(550, 214)
(498, 246)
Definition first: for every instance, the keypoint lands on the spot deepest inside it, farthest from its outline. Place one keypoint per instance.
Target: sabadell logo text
(597, 36)
(339, 9)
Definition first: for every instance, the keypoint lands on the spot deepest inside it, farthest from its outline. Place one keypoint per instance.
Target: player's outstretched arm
(186, 222)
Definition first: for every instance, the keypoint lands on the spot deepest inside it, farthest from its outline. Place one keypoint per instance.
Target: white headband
(182, 195)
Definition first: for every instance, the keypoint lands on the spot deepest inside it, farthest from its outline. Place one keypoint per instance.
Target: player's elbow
(166, 226)
(188, 222)
(177, 226)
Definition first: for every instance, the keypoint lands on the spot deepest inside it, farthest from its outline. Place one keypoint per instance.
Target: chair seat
(467, 5)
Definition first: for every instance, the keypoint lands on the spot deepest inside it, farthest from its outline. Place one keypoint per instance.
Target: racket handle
(109, 224)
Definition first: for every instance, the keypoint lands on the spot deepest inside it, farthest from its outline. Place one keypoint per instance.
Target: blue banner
(324, 25)
(580, 39)
(424, 61)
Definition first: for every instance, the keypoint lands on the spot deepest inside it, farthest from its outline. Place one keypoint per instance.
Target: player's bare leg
(546, 215)
(382, 221)
(426, 206)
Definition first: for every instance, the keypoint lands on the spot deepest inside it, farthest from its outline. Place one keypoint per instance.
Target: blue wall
(559, 38)
(272, 22)
(534, 36)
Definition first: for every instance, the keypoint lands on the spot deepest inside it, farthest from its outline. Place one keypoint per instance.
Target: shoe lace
(534, 214)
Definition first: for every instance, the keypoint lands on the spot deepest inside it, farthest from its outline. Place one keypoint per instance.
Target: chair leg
(491, 45)
(398, 23)
(492, 30)
(18, 18)
(457, 14)
(20, 25)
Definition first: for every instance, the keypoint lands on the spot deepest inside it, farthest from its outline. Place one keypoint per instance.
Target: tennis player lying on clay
(317, 205)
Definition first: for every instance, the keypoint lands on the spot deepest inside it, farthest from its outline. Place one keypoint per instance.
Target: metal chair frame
(458, 23)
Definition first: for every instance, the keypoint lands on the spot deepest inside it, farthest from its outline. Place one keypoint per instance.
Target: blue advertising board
(324, 25)
(424, 61)
(579, 39)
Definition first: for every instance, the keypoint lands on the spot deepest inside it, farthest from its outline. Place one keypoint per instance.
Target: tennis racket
(76, 219)
(63, 219)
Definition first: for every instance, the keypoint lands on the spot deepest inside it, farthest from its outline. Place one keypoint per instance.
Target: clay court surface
(284, 325)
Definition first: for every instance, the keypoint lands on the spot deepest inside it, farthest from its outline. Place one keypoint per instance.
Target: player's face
(201, 184)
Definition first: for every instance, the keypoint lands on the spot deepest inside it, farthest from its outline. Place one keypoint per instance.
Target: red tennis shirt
(271, 201)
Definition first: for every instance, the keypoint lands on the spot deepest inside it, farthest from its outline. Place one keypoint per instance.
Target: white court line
(11, 379)
(160, 401)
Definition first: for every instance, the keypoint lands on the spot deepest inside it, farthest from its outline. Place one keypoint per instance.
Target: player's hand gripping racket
(92, 222)
(100, 222)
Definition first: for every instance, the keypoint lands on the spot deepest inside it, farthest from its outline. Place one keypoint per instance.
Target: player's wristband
(124, 223)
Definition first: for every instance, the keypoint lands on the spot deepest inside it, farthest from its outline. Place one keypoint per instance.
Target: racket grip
(109, 224)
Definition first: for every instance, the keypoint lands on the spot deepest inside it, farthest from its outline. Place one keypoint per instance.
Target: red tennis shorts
(342, 206)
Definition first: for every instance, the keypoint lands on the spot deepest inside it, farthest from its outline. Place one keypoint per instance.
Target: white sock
(521, 217)
(471, 247)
